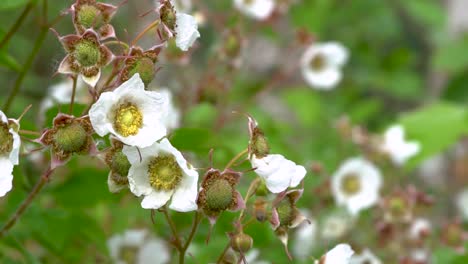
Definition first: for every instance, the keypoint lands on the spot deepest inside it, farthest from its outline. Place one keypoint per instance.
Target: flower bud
(70, 138)
(89, 16)
(258, 144)
(168, 15)
(219, 195)
(241, 242)
(6, 139)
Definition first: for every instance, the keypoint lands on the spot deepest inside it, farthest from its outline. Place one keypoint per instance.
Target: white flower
(186, 31)
(321, 64)
(340, 254)
(136, 246)
(252, 257)
(419, 227)
(396, 147)
(356, 185)
(278, 172)
(135, 116)
(366, 257)
(257, 9)
(160, 172)
(462, 203)
(306, 238)
(172, 120)
(335, 225)
(10, 143)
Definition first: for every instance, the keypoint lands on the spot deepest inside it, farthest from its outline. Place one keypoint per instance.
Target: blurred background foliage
(406, 66)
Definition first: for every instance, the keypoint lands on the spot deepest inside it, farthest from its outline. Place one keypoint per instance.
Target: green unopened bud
(285, 212)
(71, 138)
(145, 67)
(87, 53)
(241, 242)
(6, 139)
(219, 195)
(229, 258)
(120, 164)
(168, 15)
(89, 16)
(259, 144)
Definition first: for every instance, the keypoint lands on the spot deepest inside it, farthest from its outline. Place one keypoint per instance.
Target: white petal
(154, 251)
(396, 147)
(65, 66)
(156, 199)
(6, 177)
(325, 79)
(14, 154)
(185, 196)
(138, 179)
(92, 80)
(336, 54)
(134, 237)
(113, 186)
(340, 254)
(98, 114)
(133, 84)
(257, 9)
(366, 256)
(186, 31)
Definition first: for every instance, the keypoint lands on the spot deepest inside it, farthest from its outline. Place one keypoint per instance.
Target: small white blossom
(159, 172)
(256, 9)
(278, 172)
(419, 227)
(340, 254)
(396, 147)
(356, 185)
(135, 116)
(462, 203)
(321, 64)
(9, 152)
(306, 238)
(136, 246)
(335, 225)
(366, 257)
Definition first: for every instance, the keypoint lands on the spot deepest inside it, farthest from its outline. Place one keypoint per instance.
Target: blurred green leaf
(12, 4)
(429, 12)
(451, 56)
(193, 139)
(9, 62)
(311, 15)
(305, 103)
(436, 127)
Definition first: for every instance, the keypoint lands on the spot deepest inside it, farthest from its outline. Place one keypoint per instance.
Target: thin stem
(19, 81)
(26, 203)
(250, 191)
(148, 28)
(237, 157)
(177, 242)
(17, 24)
(228, 245)
(72, 100)
(118, 42)
(29, 132)
(196, 223)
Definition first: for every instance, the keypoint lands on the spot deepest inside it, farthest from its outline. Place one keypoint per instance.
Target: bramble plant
(222, 167)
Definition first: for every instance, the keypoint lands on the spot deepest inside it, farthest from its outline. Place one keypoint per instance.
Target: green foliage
(13, 4)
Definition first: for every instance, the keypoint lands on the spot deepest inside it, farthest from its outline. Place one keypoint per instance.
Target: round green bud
(168, 16)
(145, 67)
(285, 212)
(219, 195)
(89, 16)
(120, 164)
(6, 139)
(70, 138)
(87, 53)
(241, 242)
(259, 144)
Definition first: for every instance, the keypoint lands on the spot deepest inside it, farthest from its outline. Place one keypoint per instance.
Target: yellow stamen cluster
(164, 173)
(128, 120)
(350, 184)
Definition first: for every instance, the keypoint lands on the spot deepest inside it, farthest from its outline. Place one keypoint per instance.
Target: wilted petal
(65, 66)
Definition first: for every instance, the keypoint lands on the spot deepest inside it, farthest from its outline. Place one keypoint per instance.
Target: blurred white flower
(278, 172)
(419, 228)
(340, 254)
(366, 257)
(135, 116)
(356, 185)
(335, 225)
(172, 120)
(462, 203)
(306, 238)
(137, 247)
(184, 6)
(10, 143)
(159, 172)
(321, 64)
(257, 9)
(396, 147)
(252, 257)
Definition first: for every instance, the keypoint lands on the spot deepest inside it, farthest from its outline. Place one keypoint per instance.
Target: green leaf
(193, 139)
(305, 103)
(451, 56)
(428, 12)
(12, 4)
(9, 62)
(311, 15)
(436, 127)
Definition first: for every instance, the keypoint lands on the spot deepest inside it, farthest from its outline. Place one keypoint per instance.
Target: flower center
(145, 67)
(219, 195)
(89, 16)
(164, 173)
(350, 184)
(128, 254)
(71, 138)
(87, 53)
(128, 120)
(6, 139)
(285, 212)
(120, 164)
(318, 62)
